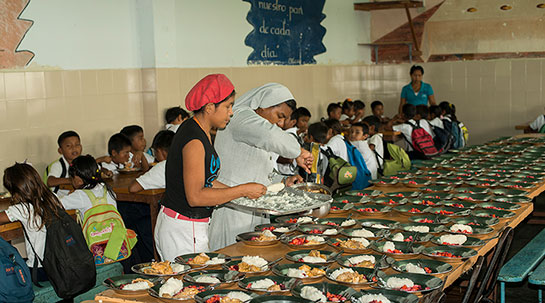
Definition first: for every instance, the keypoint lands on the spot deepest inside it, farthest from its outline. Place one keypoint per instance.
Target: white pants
(176, 237)
(227, 223)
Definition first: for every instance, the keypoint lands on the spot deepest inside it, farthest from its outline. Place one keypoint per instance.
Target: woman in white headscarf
(246, 146)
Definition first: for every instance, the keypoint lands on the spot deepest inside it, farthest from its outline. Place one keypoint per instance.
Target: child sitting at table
(56, 173)
(88, 184)
(318, 134)
(377, 109)
(155, 177)
(334, 111)
(435, 116)
(538, 125)
(348, 112)
(302, 116)
(359, 133)
(336, 143)
(119, 147)
(33, 205)
(137, 156)
(174, 117)
(359, 111)
(405, 124)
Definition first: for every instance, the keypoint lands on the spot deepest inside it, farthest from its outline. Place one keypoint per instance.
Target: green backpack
(339, 174)
(395, 159)
(106, 235)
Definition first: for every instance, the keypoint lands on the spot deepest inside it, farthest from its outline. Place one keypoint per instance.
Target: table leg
(502, 292)
(539, 295)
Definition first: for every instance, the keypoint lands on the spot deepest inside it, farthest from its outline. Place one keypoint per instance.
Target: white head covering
(268, 95)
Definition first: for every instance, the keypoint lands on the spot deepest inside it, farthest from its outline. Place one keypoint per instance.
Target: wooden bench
(521, 265)
(46, 293)
(537, 277)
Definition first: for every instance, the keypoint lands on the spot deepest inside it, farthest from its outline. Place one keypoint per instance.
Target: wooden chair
(472, 283)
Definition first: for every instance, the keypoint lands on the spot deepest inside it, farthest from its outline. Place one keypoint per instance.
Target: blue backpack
(454, 130)
(15, 281)
(356, 159)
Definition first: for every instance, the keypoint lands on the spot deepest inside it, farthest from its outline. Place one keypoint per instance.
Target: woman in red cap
(191, 171)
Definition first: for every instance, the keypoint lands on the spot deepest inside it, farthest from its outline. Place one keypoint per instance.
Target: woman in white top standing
(245, 147)
(33, 205)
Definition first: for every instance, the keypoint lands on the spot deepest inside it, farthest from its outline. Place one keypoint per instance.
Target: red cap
(211, 89)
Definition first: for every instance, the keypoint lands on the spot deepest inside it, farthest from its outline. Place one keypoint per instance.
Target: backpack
(356, 159)
(443, 139)
(15, 281)
(339, 174)
(542, 128)
(465, 133)
(105, 232)
(67, 261)
(422, 141)
(395, 160)
(64, 173)
(456, 133)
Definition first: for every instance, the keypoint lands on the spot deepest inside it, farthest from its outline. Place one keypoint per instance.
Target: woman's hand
(253, 190)
(305, 160)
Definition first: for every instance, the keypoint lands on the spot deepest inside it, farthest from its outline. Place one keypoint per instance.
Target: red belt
(173, 214)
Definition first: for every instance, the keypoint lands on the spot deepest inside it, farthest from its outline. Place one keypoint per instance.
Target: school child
(359, 134)
(538, 125)
(406, 124)
(435, 116)
(155, 177)
(119, 147)
(56, 173)
(302, 116)
(33, 205)
(318, 134)
(174, 117)
(334, 111)
(137, 155)
(348, 112)
(336, 143)
(359, 111)
(458, 130)
(373, 123)
(377, 109)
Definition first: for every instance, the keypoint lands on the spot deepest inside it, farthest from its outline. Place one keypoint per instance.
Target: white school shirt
(406, 129)
(344, 117)
(538, 123)
(172, 127)
(154, 178)
(368, 156)
(79, 200)
(287, 169)
(18, 212)
(338, 147)
(376, 140)
(437, 122)
(149, 157)
(113, 167)
(55, 170)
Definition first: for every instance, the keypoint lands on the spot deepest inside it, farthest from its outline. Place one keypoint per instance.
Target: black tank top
(174, 197)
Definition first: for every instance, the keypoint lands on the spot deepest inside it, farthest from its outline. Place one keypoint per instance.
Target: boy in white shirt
(348, 112)
(409, 117)
(137, 155)
(435, 116)
(119, 147)
(336, 143)
(174, 117)
(537, 125)
(359, 132)
(57, 172)
(155, 177)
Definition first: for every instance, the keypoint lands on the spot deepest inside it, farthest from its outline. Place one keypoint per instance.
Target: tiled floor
(521, 293)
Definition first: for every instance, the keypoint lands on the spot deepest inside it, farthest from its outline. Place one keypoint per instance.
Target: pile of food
(305, 271)
(363, 233)
(417, 269)
(314, 256)
(276, 229)
(361, 261)
(373, 298)
(250, 264)
(137, 284)
(174, 288)
(163, 268)
(390, 247)
(314, 294)
(403, 284)
(231, 297)
(265, 236)
(204, 259)
(266, 285)
(353, 243)
(461, 228)
(207, 279)
(420, 229)
(307, 240)
(452, 239)
(348, 275)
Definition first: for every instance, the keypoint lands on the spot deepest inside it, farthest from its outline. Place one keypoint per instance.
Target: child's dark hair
(65, 135)
(131, 131)
(300, 112)
(332, 107)
(372, 121)
(117, 142)
(335, 125)
(364, 127)
(376, 103)
(318, 131)
(27, 188)
(232, 94)
(414, 68)
(409, 111)
(453, 113)
(87, 169)
(423, 111)
(436, 111)
(172, 113)
(358, 104)
(445, 107)
(347, 105)
(163, 140)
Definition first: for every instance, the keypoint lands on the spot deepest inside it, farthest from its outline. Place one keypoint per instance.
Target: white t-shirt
(338, 147)
(376, 140)
(538, 123)
(149, 157)
(80, 201)
(287, 169)
(368, 156)
(55, 170)
(111, 166)
(406, 129)
(344, 117)
(18, 212)
(154, 178)
(172, 127)
(437, 122)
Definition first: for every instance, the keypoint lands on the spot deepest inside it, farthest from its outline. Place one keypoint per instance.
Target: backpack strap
(36, 259)
(94, 200)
